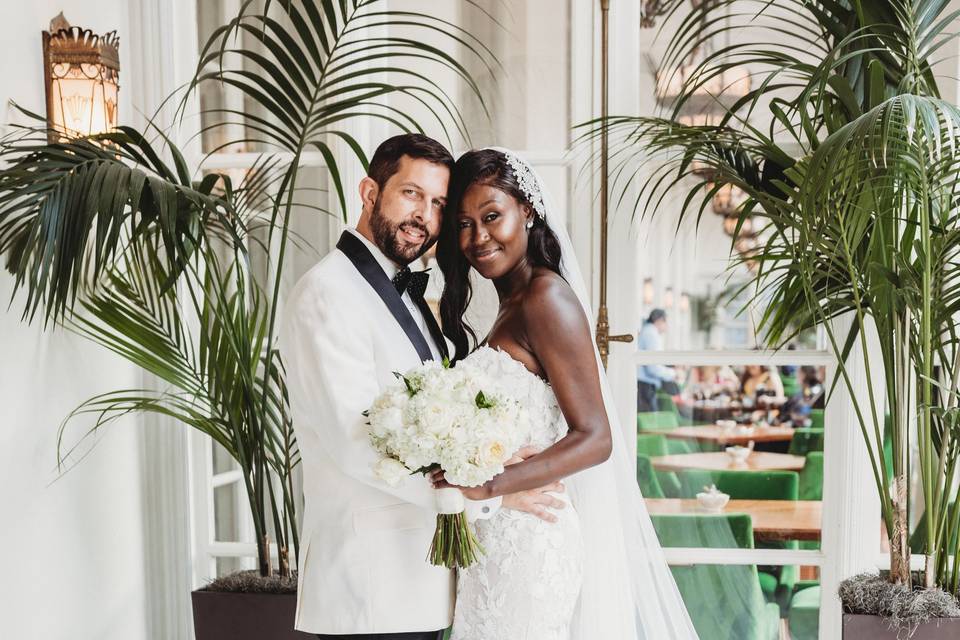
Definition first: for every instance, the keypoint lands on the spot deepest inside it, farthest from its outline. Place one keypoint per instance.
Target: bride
(597, 571)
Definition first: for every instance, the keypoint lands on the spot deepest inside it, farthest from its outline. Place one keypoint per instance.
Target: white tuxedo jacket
(364, 544)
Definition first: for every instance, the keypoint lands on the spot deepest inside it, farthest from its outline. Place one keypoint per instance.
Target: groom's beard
(385, 236)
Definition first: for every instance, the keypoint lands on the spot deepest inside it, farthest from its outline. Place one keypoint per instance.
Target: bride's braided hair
(489, 167)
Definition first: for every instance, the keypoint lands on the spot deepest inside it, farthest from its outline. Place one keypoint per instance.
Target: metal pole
(603, 324)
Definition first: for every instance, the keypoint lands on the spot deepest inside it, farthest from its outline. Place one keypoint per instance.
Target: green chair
(816, 418)
(791, 386)
(661, 421)
(724, 601)
(777, 582)
(742, 485)
(804, 616)
(656, 420)
(665, 403)
(647, 479)
(811, 477)
(651, 445)
(811, 488)
(805, 441)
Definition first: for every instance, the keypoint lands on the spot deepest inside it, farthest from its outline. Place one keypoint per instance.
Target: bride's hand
(482, 492)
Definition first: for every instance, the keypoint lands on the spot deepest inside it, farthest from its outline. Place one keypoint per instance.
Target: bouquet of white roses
(454, 418)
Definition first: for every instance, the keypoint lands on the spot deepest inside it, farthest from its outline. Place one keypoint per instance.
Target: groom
(351, 322)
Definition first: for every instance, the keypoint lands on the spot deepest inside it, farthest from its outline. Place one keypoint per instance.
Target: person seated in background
(758, 381)
(710, 380)
(810, 396)
(653, 377)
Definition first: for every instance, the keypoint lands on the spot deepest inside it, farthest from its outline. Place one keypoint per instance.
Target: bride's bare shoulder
(549, 298)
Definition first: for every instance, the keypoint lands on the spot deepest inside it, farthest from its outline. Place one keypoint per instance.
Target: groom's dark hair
(386, 159)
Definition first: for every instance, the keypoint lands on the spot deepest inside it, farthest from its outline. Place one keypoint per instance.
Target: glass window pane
(222, 461)
(227, 511)
(696, 275)
(729, 602)
(732, 456)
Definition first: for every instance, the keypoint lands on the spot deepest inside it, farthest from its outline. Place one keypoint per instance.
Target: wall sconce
(648, 291)
(728, 199)
(684, 305)
(81, 76)
(668, 298)
(730, 226)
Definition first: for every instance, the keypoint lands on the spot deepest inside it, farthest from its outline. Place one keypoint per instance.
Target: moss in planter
(253, 582)
(904, 608)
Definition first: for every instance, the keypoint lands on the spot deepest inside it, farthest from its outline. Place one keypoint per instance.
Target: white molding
(851, 515)
(736, 357)
(227, 477)
(686, 556)
(201, 507)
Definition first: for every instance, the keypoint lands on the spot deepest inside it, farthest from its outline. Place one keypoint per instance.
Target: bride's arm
(558, 334)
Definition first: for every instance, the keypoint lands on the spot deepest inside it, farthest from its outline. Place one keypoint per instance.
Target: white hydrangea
(468, 420)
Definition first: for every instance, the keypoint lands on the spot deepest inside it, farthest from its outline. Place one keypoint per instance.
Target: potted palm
(113, 236)
(848, 159)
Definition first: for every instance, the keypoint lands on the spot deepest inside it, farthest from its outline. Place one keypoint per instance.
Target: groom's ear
(369, 190)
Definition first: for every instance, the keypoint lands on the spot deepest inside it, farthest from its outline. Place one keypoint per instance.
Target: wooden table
(772, 519)
(721, 437)
(720, 461)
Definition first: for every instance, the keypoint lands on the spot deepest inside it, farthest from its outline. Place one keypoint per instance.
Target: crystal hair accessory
(528, 183)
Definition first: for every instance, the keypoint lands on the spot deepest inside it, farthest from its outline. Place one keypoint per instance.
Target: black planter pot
(859, 627)
(245, 616)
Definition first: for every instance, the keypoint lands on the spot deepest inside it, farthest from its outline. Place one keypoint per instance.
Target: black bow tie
(413, 282)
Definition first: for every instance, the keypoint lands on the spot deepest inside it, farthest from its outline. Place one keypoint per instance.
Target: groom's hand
(522, 454)
(537, 502)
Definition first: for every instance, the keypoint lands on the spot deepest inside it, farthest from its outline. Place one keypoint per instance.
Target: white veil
(628, 590)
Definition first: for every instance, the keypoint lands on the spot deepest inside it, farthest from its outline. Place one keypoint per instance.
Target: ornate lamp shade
(82, 72)
(648, 291)
(727, 200)
(730, 226)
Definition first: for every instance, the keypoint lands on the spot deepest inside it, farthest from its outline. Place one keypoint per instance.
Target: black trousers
(416, 635)
(646, 396)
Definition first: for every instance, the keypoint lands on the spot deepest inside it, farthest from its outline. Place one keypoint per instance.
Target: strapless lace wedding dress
(526, 584)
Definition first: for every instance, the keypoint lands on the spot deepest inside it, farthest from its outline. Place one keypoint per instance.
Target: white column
(851, 508)
(162, 50)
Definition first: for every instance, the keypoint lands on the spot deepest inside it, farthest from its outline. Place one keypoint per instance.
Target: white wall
(72, 550)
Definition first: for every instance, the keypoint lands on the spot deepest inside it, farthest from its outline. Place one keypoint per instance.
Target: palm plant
(849, 162)
(160, 263)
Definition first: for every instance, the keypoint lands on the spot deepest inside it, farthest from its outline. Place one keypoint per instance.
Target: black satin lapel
(370, 269)
(432, 325)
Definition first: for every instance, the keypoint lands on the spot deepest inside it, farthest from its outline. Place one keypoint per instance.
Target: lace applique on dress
(526, 585)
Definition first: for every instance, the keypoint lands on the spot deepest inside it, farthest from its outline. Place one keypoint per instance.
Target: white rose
(390, 471)
(398, 398)
(493, 453)
(386, 421)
